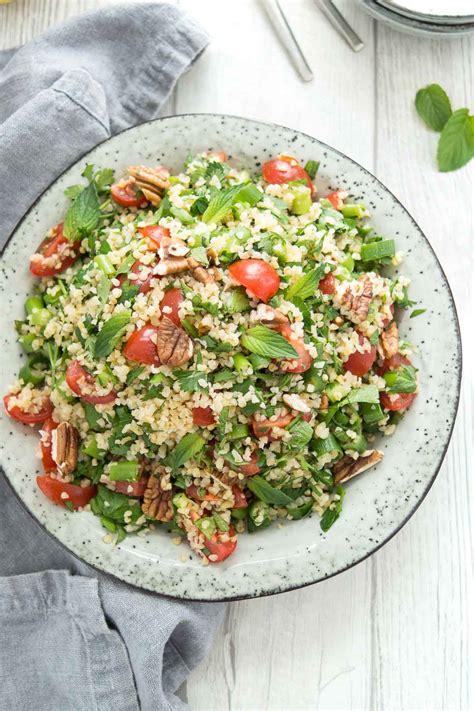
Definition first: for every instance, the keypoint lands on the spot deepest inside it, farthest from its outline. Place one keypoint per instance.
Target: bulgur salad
(210, 352)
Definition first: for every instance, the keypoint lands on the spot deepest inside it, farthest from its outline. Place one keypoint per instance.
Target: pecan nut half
(356, 303)
(157, 502)
(389, 340)
(346, 468)
(173, 345)
(152, 181)
(65, 447)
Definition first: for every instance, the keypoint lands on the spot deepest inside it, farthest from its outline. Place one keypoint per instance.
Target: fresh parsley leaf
(103, 179)
(456, 143)
(266, 492)
(417, 312)
(113, 505)
(134, 373)
(401, 380)
(110, 333)
(88, 172)
(129, 291)
(433, 106)
(301, 433)
(223, 417)
(92, 416)
(187, 448)
(265, 342)
(189, 380)
(216, 168)
(126, 265)
(83, 215)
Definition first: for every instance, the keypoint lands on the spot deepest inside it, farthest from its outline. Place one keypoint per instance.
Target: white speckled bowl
(377, 503)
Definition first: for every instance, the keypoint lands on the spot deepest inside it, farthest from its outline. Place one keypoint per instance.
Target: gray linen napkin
(72, 639)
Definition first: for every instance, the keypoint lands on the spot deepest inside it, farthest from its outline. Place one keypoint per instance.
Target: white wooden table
(392, 633)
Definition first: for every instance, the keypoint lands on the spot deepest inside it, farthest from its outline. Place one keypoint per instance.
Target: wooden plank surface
(392, 633)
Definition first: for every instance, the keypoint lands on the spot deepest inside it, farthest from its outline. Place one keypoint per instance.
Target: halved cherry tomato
(203, 416)
(221, 549)
(240, 502)
(392, 363)
(80, 382)
(141, 346)
(79, 496)
(50, 247)
(49, 465)
(193, 492)
(396, 401)
(127, 194)
(360, 363)
(328, 284)
(132, 488)
(264, 428)
(295, 365)
(28, 418)
(336, 198)
(145, 275)
(154, 234)
(251, 468)
(220, 156)
(386, 321)
(259, 277)
(172, 299)
(283, 170)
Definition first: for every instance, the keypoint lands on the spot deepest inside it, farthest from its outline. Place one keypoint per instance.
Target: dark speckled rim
(458, 358)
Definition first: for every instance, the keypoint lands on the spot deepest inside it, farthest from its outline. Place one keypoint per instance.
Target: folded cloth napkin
(72, 639)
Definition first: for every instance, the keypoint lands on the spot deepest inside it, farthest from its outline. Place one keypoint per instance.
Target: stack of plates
(436, 18)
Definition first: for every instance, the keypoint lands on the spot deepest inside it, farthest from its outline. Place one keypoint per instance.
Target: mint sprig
(456, 143)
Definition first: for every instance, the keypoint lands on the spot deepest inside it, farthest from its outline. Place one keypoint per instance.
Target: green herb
(103, 289)
(250, 194)
(220, 204)
(129, 291)
(124, 471)
(366, 393)
(113, 505)
(199, 207)
(189, 380)
(266, 492)
(53, 354)
(73, 191)
(110, 334)
(92, 416)
(187, 448)
(236, 301)
(103, 179)
(417, 312)
(301, 433)
(331, 515)
(433, 106)
(221, 376)
(401, 380)
(126, 265)
(222, 421)
(377, 250)
(456, 143)
(374, 337)
(265, 342)
(307, 284)
(221, 523)
(200, 255)
(215, 168)
(312, 167)
(218, 346)
(134, 374)
(207, 526)
(83, 215)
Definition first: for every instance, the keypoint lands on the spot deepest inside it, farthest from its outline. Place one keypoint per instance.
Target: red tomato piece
(203, 416)
(259, 277)
(251, 468)
(336, 198)
(360, 363)
(141, 346)
(145, 275)
(49, 259)
(283, 170)
(127, 194)
(193, 493)
(49, 465)
(219, 548)
(154, 234)
(392, 363)
(264, 428)
(220, 156)
(328, 284)
(83, 384)
(79, 496)
(172, 299)
(240, 502)
(132, 488)
(396, 401)
(27, 418)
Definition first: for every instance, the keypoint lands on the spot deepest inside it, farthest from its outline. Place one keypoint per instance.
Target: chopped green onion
(325, 446)
(312, 167)
(104, 264)
(371, 412)
(250, 194)
(207, 526)
(124, 471)
(241, 363)
(31, 373)
(26, 342)
(353, 210)
(33, 303)
(239, 431)
(377, 250)
(40, 317)
(302, 200)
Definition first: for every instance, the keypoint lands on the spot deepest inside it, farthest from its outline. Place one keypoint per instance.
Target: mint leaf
(187, 448)
(267, 493)
(110, 333)
(301, 433)
(83, 215)
(306, 285)
(401, 380)
(73, 191)
(366, 393)
(220, 204)
(200, 255)
(417, 312)
(104, 178)
(456, 143)
(265, 342)
(433, 106)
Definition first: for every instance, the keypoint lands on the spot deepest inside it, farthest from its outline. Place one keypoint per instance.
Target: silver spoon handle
(341, 24)
(283, 29)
